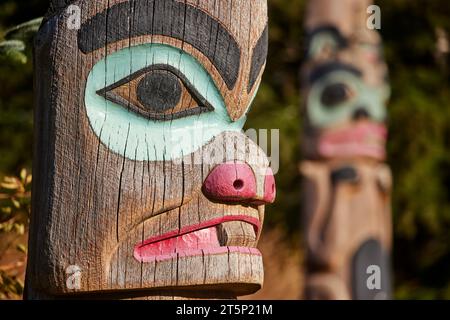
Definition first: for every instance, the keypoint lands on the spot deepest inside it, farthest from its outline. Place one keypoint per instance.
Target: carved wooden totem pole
(346, 184)
(145, 185)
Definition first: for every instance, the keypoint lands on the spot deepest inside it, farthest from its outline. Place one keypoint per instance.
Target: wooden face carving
(144, 179)
(348, 228)
(345, 96)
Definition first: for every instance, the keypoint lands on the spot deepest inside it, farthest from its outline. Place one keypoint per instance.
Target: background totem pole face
(144, 177)
(346, 185)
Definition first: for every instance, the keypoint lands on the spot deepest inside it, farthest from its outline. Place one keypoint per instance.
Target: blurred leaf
(22, 248)
(15, 203)
(11, 45)
(6, 210)
(23, 174)
(24, 31)
(13, 50)
(20, 228)
(16, 39)
(10, 183)
(9, 186)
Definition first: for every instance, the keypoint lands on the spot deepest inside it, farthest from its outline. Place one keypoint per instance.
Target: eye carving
(158, 92)
(335, 94)
(345, 174)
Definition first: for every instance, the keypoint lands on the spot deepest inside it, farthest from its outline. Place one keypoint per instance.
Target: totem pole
(346, 186)
(145, 186)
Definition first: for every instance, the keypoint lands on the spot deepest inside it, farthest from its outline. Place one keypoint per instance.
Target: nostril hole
(361, 114)
(273, 187)
(238, 184)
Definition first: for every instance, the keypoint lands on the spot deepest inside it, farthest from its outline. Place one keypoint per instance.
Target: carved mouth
(217, 236)
(364, 140)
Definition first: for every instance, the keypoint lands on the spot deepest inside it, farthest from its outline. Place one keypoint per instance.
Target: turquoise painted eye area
(155, 102)
(335, 94)
(335, 99)
(159, 92)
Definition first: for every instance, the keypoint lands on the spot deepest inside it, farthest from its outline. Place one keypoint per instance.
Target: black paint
(327, 68)
(341, 41)
(361, 113)
(335, 94)
(258, 58)
(344, 174)
(159, 91)
(370, 253)
(167, 18)
(152, 111)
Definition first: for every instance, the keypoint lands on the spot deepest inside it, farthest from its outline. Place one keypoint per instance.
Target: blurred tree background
(416, 37)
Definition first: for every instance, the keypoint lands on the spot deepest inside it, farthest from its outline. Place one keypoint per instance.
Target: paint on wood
(133, 113)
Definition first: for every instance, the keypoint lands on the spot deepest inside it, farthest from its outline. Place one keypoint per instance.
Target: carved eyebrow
(327, 68)
(258, 58)
(169, 18)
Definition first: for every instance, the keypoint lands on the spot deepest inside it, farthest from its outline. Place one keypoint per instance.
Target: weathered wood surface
(134, 111)
(346, 188)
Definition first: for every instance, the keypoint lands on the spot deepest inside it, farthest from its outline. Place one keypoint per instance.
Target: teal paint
(319, 43)
(372, 99)
(141, 139)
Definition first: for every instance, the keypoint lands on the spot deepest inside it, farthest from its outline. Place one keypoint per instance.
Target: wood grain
(93, 206)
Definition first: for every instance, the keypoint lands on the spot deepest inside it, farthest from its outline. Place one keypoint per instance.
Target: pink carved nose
(236, 182)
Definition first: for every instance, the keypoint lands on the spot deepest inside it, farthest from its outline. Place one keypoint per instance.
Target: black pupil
(159, 91)
(335, 94)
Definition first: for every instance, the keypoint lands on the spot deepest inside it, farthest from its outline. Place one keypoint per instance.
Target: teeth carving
(236, 234)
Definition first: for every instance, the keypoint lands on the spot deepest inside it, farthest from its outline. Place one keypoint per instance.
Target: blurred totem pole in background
(346, 186)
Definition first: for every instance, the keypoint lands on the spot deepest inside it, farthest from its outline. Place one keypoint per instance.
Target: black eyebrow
(327, 68)
(168, 18)
(259, 58)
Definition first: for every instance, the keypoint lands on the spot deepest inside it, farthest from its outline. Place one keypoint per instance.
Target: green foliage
(277, 106)
(13, 50)
(16, 95)
(10, 286)
(24, 31)
(13, 46)
(419, 145)
(15, 207)
(15, 135)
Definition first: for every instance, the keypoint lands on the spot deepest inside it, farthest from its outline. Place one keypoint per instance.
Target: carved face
(348, 228)
(346, 95)
(144, 177)
(346, 188)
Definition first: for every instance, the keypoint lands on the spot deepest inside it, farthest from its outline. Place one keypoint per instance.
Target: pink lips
(191, 241)
(364, 140)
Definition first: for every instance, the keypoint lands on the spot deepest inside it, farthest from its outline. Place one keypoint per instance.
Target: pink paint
(364, 140)
(231, 182)
(186, 244)
(205, 225)
(200, 252)
(270, 189)
(189, 241)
